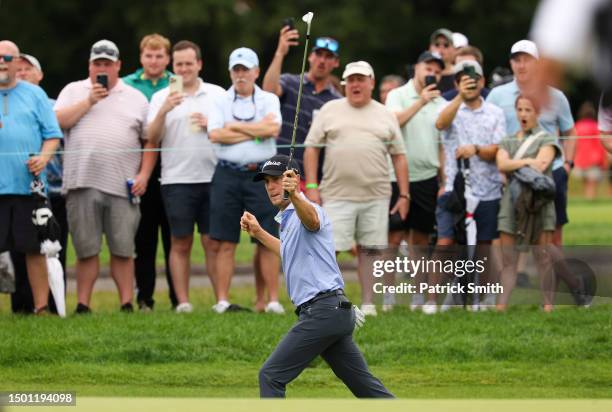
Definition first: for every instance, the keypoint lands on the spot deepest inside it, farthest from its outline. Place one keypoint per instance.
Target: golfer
(326, 317)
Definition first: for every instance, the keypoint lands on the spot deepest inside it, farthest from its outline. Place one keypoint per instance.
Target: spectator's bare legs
(122, 271)
(269, 265)
(225, 268)
(443, 252)
(260, 284)
(365, 258)
(37, 275)
(508, 273)
(543, 258)
(87, 270)
(210, 255)
(394, 240)
(180, 266)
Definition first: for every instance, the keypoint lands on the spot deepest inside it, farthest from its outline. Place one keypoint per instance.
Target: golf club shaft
(297, 106)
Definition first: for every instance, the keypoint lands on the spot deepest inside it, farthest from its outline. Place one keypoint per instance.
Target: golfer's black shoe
(82, 309)
(127, 308)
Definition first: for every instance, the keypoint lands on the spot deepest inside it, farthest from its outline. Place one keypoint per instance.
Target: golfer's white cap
(245, 57)
(525, 46)
(359, 67)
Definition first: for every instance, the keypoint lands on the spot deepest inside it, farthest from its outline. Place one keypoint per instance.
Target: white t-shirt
(187, 155)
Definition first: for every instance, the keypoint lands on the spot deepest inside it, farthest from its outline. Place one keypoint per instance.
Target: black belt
(248, 167)
(318, 296)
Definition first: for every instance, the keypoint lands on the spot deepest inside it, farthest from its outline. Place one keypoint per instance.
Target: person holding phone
(104, 127)
(318, 88)
(471, 129)
(416, 106)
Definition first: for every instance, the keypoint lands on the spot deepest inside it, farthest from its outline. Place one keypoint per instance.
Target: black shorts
(17, 232)
(232, 192)
(185, 205)
(422, 213)
(560, 178)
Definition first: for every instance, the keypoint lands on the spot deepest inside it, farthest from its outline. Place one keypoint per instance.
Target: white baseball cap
(358, 67)
(104, 49)
(459, 67)
(460, 40)
(525, 46)
(32, 60)
(245, 57)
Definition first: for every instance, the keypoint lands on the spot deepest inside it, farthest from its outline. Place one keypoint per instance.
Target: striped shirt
(309, 106)
(103, 147)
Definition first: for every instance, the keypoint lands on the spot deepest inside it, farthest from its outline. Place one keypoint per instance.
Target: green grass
(521, 354)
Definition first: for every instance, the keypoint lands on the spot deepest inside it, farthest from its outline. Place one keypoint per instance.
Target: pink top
(589, 150)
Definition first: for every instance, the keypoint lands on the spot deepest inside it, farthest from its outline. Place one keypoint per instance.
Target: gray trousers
(322, 329)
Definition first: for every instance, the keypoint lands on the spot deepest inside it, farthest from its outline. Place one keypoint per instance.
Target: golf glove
(359, 317)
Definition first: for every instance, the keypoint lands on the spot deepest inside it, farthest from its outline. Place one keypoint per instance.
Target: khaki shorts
(364, 223)
(91, 213)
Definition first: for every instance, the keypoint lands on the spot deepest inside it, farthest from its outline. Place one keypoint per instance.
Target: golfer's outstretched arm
(249, 224)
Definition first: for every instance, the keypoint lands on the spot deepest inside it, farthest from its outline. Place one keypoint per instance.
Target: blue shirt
(27, 120)
(555, 119)
(309, 258)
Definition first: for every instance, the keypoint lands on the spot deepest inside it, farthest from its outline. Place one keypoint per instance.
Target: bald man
(27, 125)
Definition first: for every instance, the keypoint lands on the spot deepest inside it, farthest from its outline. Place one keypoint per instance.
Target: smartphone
(471, 72)
(176, 84)
(430, 80)
(289, 21)
(103, 80)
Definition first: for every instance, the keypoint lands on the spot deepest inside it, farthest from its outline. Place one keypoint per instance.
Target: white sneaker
(184, 307)
(488, 303)
(275, 307)
(221, 306)
(369, 310)
(417, 301)
(430, 307)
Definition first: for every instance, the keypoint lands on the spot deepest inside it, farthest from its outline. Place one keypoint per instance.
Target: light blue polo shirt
(27, 120)
(555, 119)
(235, 108)
(308, 258)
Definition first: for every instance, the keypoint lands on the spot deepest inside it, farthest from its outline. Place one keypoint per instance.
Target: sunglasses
(327, 43)
(443, 44)
(105, 50)
(7, 57)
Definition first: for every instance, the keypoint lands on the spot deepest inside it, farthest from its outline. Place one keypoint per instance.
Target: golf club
(307, 18)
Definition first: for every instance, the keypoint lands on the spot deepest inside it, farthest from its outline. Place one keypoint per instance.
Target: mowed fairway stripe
(320, 405)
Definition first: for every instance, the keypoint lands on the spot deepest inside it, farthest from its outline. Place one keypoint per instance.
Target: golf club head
(307, 18)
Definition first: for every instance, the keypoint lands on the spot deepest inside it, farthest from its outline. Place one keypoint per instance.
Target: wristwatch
(477, 148)
(570, 163)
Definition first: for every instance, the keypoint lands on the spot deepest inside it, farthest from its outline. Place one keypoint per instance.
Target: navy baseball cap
(428, 56)
(276, 166)
(327, 43)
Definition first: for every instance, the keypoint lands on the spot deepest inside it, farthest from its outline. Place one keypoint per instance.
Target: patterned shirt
(483, 126)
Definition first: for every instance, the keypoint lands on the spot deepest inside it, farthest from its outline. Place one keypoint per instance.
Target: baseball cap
(104, 49)
(428, 56)
(460, 40)
(524, 46)
(32, 60)
(459, 67)
(441, 32)
(276, 166)
(326, 43)
(359, 67)
(245, 57)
